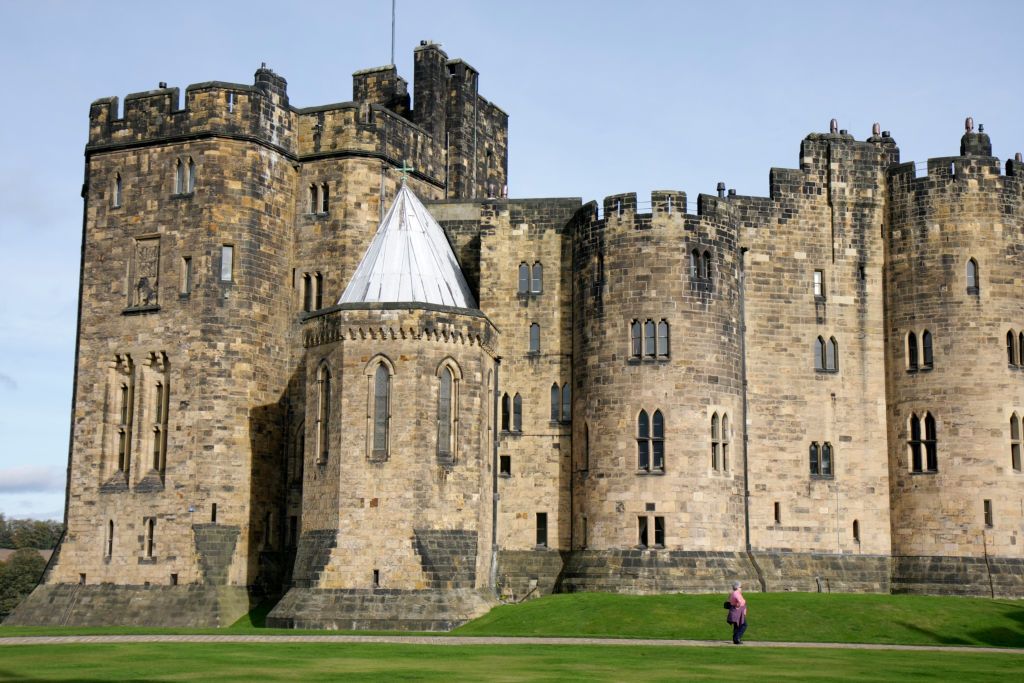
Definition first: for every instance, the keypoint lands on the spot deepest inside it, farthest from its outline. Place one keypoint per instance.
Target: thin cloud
(31, 479)
(7, 382)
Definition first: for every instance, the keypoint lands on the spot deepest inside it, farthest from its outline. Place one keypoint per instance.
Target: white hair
(736, 585)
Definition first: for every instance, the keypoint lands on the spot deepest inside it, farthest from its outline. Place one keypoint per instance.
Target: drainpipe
(746, 438)
(494, 476)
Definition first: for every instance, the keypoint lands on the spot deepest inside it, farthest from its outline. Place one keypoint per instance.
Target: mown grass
(794, 617)
(373, 662)
(797, 617)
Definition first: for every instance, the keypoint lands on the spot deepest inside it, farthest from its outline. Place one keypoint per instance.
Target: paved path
(490, 640)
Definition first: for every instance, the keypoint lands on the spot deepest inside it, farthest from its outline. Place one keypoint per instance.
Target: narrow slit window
(1015, 442)
(972, 277)
(714, 442)
(926, 350)
(179, 177)
(636, 339)
(856, 531)
(323, 413)
(725, 443)
(819, 284)
(517, 413)
(819, 354)
(307, 292)
(444, 414)
(931, 444)
(650, 347)
(815, 459)
(150, 540)
(109, 551)
(537, 285)
(186, 275)
(191, 175)
(117, 190)
(534, 338)
(658, 441)
(227, 258)
(506, 412)
(381, 411)
(694, 264)
(231, 103)
(1011, 348)
(912, 351)
(524, 278)
(832, 355)
(643, 441)
(313, 198)
(642, 531)
(325, 198)
(988, 513)
(778, 512)
(542, 529)
(914, 444)
(707, 265)
(566, 403)
(826, 459)
(556, 402)
(663, 339)
(318, 289)
(659, 532)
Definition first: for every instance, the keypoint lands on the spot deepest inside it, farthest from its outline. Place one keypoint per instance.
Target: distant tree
(5, 533)
(33, 533)
(18, 576)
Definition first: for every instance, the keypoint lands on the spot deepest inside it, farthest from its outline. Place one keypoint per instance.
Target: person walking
(737, 613)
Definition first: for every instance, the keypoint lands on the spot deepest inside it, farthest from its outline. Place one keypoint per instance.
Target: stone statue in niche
(146, 272)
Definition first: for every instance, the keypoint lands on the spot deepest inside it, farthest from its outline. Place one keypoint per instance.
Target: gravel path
(460, 640)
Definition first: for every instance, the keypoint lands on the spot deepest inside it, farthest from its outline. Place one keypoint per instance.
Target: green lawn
(810, 617)
(317, 661)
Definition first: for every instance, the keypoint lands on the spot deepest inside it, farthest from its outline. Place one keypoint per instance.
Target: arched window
(715, 442)
(815, 455)
(524, 278)
(323, 413)
(643, 441)
(926, 350)
(695, 264)
(725, 442)
(179, 177)
(160, 398)
(307, 292)
(314, 198)
(191, 175)
(911, 351)
(707, 265)
(914, 444)
(325, 198)
(318, 291)
(109, 551)
(1011, 347)
(556, 402)
(832, 355)
(381, 411)
(663, 339)
(819, 354)
(566, 403)
(826, 459)
(856, 531)
(537, 284)
(1020, 345)
(1015, 442)
(635, 339)
(517, 413)
(930, 444)
(972, 277)
(649, 339)
(117, 190)
(445, 413)
(506, 412)
(534, 338)
(658, 441)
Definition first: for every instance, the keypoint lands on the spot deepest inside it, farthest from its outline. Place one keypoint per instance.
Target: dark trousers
(738, 630)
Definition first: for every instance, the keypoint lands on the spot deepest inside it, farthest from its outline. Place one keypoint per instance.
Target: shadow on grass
(998, 636)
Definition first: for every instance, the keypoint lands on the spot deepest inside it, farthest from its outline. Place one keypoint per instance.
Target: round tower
(954, 326)
(657, 443)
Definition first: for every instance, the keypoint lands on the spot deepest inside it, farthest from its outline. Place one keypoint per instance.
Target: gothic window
(1020, 345)
(227, 258)
(318, 288)
(715, 443)
(537, 284)
(314, 198)
(186, 276)
(117, 190)
(826, 459)
(658, 441)
(191, 175)
(642, 531)
(649, 339)
(179, 177)
(1011, 348)
(923, 444)
(161, 396)
(323, 413)
(381, 411)
(663, 339)
(815, 453)
(307, 292)
(556, 402)
(694, 264)
(819, 354)
(534, 338)
(1015, 442)
(819, 284)
(914, 444)
(926, 350)
(930, 444)
(506, 412)
(635, 339)
(524, 278)
(659, 532)
(109, 549)
(447, 414)
(150, 538)
(725, 442)
(832, 355)
(972, 277)
(325, 202)
(126, 410)
(517, 413)
(911, 351)
(706, 270)
(566, 403)
(643, 441)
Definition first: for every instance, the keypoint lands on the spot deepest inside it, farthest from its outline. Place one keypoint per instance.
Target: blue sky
(603, 97)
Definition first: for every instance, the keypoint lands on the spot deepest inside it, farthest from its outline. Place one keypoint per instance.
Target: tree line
(29, 533)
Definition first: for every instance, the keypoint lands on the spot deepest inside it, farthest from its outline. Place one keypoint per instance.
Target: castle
(321, 354)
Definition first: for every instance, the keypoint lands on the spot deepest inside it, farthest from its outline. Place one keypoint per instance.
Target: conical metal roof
(409, 260)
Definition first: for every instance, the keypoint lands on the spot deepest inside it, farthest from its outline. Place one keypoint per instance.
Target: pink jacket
(738, 611)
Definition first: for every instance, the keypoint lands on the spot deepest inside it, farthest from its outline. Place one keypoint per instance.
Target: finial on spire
(876, 129)
(969, 124)
(405, 170)
(833, 126)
